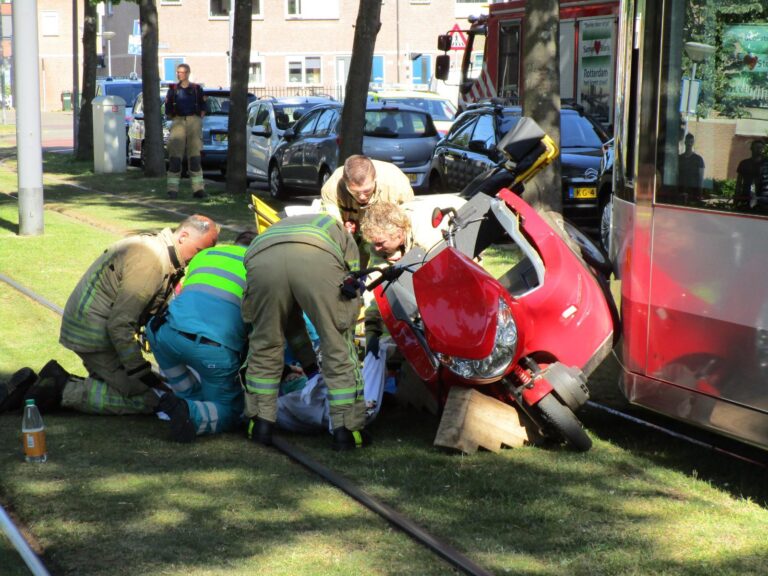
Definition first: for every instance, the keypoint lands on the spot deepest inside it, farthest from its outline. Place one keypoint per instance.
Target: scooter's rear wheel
(564, 423)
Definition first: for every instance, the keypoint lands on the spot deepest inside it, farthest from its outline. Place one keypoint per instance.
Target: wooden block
(472, 419)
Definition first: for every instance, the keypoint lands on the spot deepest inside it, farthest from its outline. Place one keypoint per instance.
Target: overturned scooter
(527, 327)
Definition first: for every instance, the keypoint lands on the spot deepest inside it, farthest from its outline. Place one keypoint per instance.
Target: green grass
(118, 498)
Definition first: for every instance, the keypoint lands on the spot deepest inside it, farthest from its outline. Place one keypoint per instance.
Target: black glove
(372, 346)
(351, 287)
(152, 380)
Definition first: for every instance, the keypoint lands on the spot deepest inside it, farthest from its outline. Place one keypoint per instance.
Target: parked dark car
(268, 118)
(216, 128)
(469, 149)
(309, 152)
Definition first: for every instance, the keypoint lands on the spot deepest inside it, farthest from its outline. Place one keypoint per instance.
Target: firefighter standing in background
(128, 283)
(300, 264)
(185, 106)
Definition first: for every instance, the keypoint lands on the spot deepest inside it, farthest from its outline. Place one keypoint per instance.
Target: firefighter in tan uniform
(127, 284)
(302, 263)
(360, 183)
(391, 231)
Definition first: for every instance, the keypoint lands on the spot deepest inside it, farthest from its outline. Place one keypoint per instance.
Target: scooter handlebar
(386, 275)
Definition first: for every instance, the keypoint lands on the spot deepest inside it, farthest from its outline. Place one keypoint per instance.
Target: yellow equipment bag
(265, 215)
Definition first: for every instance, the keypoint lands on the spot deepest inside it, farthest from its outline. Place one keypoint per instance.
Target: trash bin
(108, 134)
(66, 101)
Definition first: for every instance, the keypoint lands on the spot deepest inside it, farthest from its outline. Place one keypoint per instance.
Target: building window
(312, 10)
(306, 70)
(255, 74)
(466, 8)
(421, 69)
(49, 23)
(377, 70)
(169, 68)
(220, 8)
(7, 26)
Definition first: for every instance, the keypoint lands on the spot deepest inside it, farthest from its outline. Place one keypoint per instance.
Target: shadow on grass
(117, 498)
(12, 227)
(543, 511)
(116, 493)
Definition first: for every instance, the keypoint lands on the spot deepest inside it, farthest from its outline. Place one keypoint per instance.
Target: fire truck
(492, 63)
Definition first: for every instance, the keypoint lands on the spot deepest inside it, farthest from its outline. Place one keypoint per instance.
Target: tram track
(410, 528)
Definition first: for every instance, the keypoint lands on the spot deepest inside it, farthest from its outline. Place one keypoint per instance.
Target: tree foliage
(708, 24)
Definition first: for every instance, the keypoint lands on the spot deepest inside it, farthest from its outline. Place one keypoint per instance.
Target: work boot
(199, 194)
(346, 439)
(177, 409)
(17, 387)
(260, 430)
(49, 388)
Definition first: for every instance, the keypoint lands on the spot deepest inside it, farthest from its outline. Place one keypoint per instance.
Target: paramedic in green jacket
(131, 281)
(200, 343)
(300, 264)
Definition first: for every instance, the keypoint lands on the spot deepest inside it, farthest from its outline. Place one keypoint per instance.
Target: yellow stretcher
(264, 214)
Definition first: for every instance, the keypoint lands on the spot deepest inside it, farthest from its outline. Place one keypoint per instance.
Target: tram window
(712, 151)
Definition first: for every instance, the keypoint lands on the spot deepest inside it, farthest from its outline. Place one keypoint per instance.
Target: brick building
(296, 44)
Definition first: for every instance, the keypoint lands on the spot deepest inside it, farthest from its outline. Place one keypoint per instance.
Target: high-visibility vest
(218, 271)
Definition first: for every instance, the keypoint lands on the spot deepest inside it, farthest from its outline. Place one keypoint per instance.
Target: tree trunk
(152, 147)
(88, 92)
(238, 99)
(356, 93)
(541, 95)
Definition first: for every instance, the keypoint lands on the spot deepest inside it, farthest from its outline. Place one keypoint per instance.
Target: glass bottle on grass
(33, 434)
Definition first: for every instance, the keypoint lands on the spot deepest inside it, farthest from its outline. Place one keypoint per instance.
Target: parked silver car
(268, 118)
(309, 152)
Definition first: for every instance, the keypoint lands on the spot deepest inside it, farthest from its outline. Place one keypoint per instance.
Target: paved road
(55, 127)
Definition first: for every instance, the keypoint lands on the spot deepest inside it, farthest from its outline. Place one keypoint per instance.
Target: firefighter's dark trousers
(282, 281)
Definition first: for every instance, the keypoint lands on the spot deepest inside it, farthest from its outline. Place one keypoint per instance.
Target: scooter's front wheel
(564, 422)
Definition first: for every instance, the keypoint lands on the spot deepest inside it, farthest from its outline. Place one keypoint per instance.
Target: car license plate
(412, 177)
(580, 192)
(222, 137)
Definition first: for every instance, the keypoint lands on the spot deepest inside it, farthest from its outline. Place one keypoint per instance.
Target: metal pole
(26, 80)
(27, 554)
(397, 38)
(75, 77)
(109, 58)
(688, 99)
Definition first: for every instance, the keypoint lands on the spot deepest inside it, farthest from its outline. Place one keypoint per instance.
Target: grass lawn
(116, 497)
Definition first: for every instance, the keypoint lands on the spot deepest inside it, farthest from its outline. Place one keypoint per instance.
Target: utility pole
(26, 80)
